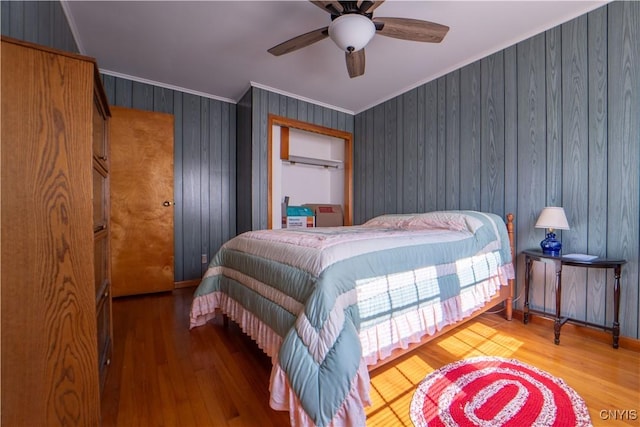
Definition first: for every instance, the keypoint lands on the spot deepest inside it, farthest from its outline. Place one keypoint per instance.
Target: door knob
(167, 203)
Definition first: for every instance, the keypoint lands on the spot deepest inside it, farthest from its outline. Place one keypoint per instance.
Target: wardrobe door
(49, 352)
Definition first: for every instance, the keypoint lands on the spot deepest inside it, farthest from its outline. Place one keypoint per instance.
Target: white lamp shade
(351, 32)
(553, 217)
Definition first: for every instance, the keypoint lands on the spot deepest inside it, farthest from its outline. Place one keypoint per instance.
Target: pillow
(389, 221)
(446, 220)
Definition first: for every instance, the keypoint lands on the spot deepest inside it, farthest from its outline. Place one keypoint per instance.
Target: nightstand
(558, 262)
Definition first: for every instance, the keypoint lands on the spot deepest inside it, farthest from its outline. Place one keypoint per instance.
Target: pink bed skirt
(405, 330)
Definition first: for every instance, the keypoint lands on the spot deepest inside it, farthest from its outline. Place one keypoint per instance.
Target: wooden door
(141, 202)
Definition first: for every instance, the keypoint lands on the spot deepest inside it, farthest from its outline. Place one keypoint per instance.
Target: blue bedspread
(316, 287)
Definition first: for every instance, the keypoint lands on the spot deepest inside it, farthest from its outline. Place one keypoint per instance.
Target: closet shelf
(314, 162)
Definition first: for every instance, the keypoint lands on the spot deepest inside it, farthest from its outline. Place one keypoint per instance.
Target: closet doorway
(303, 155)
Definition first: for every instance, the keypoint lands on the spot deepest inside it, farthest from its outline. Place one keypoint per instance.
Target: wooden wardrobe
(55, 290)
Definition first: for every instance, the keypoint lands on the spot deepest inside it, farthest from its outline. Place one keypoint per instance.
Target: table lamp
(552, 218)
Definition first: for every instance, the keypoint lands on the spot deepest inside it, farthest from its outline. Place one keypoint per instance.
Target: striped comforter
(324, 302)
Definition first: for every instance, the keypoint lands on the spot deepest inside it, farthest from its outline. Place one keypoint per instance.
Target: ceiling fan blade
(367, 6)
(355, 63)
(412, 29)
(300, 41)
(333, 7)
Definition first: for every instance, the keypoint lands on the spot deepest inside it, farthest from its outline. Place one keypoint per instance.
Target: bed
(330, 304)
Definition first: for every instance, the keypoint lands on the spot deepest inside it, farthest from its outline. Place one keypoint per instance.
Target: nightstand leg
(616, 306)
(527, 276)
(558, 323)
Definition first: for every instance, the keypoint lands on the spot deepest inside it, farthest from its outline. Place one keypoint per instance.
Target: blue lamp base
(550, 245)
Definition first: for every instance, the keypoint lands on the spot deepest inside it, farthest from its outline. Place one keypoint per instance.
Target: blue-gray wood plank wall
(550, 121)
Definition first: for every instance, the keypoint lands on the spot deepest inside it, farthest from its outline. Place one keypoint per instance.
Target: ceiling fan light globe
(351, 32)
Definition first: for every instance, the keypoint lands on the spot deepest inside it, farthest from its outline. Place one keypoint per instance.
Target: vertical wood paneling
(624, 152)
(359, 176)
(511, 194)
(162, 100)
(442, 143)
(470, 152)
(555, 117)
(399, 148)
(420, 157)
(597, 206)
(377, 151)
(45, 24)
(575, 156)
(142, 96)
(178, 195)
(203, 185)
(368, 163)
(531, 145)
(390, 162)
(553, 195)
(191, 184)
(410, 152)
(492, 124)
(243, 162)
(41, 22)
(452, 148)
(431, 160)
(5, 14)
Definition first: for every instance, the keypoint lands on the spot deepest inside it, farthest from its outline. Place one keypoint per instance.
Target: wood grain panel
(624, 152)
(378, 152)
(421, 180)
(203, 185)
(142, 96)
(191, 175)
(39, 22)
(531, 143)
(567, 99)
(409, 152)
(442, 143)
(554, 157)
(575, 155)
(431, 160)
(368, 164)
(358, 170)
(452, 149)
(398, 135)
(492, 124)
(599, 300)
(470, 145)
(48, 316)
(391, 172)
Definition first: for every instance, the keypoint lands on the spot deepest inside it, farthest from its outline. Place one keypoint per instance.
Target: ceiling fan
(353, 26)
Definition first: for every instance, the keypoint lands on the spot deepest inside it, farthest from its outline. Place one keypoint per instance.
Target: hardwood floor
(162, 374)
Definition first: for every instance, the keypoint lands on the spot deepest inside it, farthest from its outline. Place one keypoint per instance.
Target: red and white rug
(492, 392)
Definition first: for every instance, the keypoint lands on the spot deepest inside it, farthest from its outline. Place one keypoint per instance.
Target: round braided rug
(491, 392)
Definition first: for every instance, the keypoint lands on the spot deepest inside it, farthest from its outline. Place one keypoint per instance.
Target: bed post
(509, 301)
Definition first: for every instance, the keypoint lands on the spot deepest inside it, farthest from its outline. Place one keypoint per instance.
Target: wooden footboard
(504, 296)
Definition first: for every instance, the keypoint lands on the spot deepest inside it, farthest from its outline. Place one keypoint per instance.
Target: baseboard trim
(186, 284)
(581, 330)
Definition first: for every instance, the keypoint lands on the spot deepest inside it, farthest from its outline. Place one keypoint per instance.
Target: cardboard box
(298, 217)
(327, 215)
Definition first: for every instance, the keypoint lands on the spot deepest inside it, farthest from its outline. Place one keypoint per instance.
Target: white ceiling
(218, 48)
